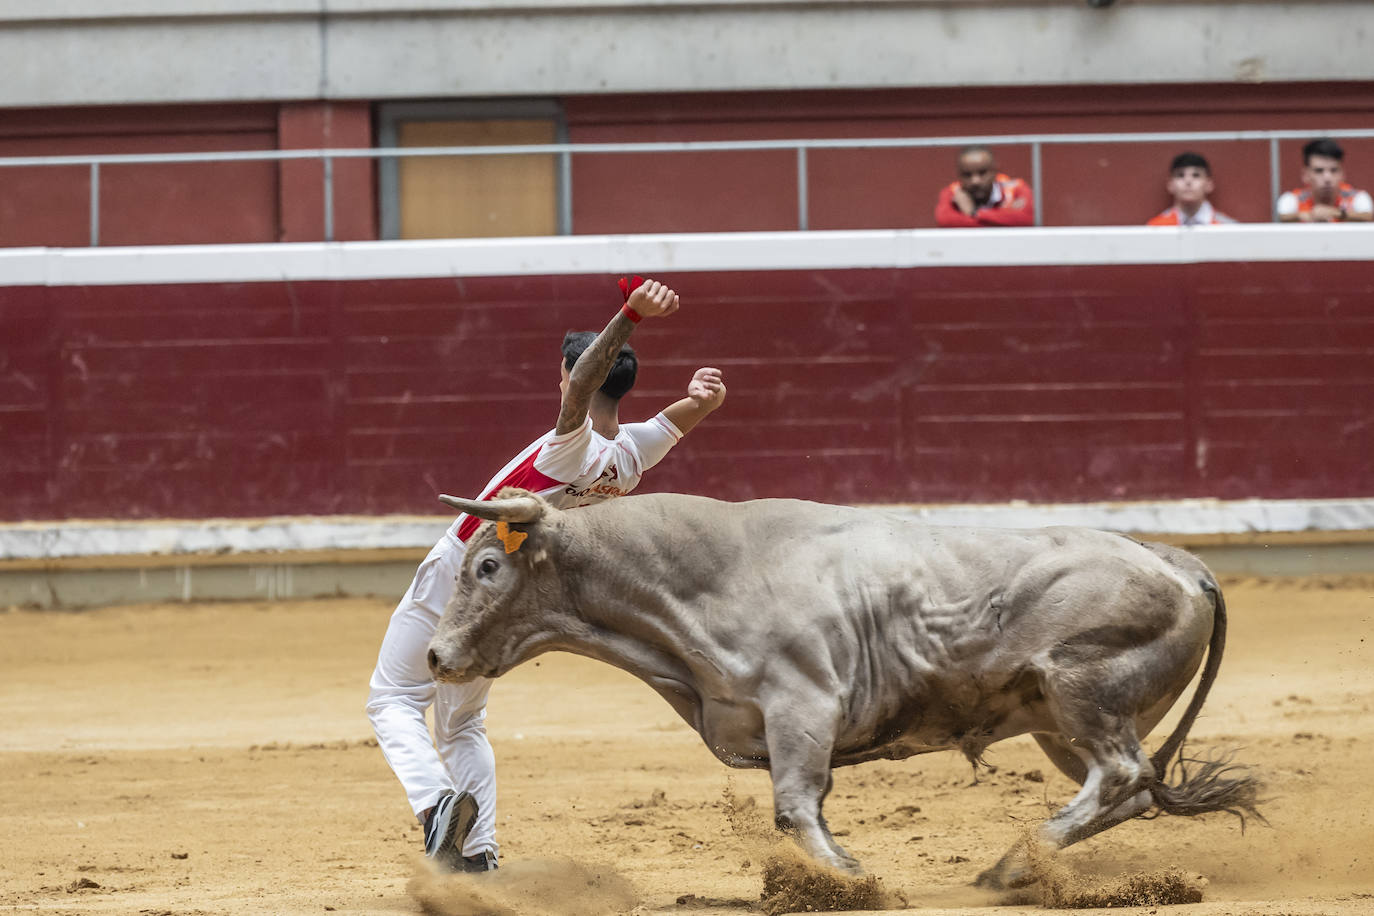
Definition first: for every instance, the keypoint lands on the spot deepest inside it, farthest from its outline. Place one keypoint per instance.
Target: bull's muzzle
(454, 671)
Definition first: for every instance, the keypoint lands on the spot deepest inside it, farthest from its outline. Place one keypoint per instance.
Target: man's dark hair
(1190, 161)
(1323, 147)
(622, 376)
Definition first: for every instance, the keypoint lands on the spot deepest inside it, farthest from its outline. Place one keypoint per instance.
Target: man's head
(1322, 169)
(977, 172)
(1190, 180)
(622, 376)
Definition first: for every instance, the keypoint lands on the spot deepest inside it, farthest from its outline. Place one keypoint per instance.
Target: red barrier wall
(184, 203)
(1049, 383)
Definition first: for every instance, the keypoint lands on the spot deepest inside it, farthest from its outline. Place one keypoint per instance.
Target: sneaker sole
(449, 855)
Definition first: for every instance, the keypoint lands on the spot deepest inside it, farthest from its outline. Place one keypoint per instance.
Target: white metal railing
(565, 152)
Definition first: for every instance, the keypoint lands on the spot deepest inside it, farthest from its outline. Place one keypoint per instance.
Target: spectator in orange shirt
(984, 196)
(1327, 197)
(1190, 183)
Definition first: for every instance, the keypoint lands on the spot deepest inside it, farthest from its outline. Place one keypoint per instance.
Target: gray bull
(799, 636)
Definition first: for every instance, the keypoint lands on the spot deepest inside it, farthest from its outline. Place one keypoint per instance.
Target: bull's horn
(521, 510)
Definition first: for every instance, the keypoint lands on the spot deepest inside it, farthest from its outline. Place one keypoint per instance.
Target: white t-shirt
(581, 467)
(1289, 203)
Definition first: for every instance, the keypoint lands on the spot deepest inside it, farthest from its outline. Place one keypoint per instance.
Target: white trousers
(459, 755)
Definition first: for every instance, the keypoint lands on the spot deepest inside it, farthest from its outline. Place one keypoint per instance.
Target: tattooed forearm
(590, 372)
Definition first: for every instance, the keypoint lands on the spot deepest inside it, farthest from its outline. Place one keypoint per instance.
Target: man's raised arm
(705, 393)
(650, 300)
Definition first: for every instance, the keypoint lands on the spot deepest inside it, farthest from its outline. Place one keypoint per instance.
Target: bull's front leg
(800, 740)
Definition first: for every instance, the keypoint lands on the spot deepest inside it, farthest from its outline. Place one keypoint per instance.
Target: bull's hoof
(850, 866)
(840, 860)
(846, 865)
(1002, 878)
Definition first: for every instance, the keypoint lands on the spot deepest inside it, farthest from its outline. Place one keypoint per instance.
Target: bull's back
(894, 616)
(846, 556)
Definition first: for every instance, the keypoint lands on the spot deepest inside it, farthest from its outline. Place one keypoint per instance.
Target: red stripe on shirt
(525, 476)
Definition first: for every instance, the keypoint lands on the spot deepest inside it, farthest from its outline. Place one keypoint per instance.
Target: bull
(799, 636)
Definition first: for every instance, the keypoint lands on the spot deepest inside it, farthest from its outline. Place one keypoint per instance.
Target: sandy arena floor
(215, 758)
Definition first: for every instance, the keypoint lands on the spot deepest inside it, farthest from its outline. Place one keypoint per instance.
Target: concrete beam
(81, 52)
(74, 564)
(288, 576)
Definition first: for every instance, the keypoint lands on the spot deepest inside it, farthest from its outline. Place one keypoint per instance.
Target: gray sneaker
(447, 829)
(482, 861)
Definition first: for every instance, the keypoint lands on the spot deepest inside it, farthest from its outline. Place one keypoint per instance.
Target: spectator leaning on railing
(1190, 184)
(1327, 197)
(983, 196)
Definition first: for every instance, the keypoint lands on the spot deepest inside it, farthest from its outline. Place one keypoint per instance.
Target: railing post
(1273, 177)
(95, 204)
(803, 217)
(329, 198)
(565, 213)
(1037, 174)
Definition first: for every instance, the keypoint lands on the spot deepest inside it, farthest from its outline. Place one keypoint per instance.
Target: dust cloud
(530, 887)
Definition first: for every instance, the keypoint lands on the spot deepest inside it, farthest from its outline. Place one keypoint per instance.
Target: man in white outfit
(587, 457)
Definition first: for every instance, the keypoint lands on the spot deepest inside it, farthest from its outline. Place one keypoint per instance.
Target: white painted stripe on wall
(1181, 517)
(687, 252)
(171, 537)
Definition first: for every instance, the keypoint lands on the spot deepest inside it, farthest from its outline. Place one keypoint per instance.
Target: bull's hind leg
(1062, 756)
(1115, 774)
(799, 752)
(825, 827)
(1119, 774)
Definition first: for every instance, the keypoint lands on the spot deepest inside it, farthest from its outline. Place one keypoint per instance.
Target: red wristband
(631, 313)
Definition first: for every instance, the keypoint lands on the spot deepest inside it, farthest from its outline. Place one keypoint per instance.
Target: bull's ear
(521, 510)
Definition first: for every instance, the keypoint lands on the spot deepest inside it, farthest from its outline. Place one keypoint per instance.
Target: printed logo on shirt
(598, 488)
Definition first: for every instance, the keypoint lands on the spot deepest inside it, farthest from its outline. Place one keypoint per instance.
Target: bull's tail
(1217, 784)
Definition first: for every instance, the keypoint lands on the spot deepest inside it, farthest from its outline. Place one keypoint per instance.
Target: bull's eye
(488, 567)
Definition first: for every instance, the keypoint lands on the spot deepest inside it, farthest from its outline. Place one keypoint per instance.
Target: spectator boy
(1327, 197)
(984, 196)
(1190, 184)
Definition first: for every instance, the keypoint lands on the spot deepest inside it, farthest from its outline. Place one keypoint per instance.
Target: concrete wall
(78, 52)
(83, 564)
(286, 577)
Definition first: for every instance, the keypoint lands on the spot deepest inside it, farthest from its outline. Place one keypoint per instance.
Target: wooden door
(477, 196)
